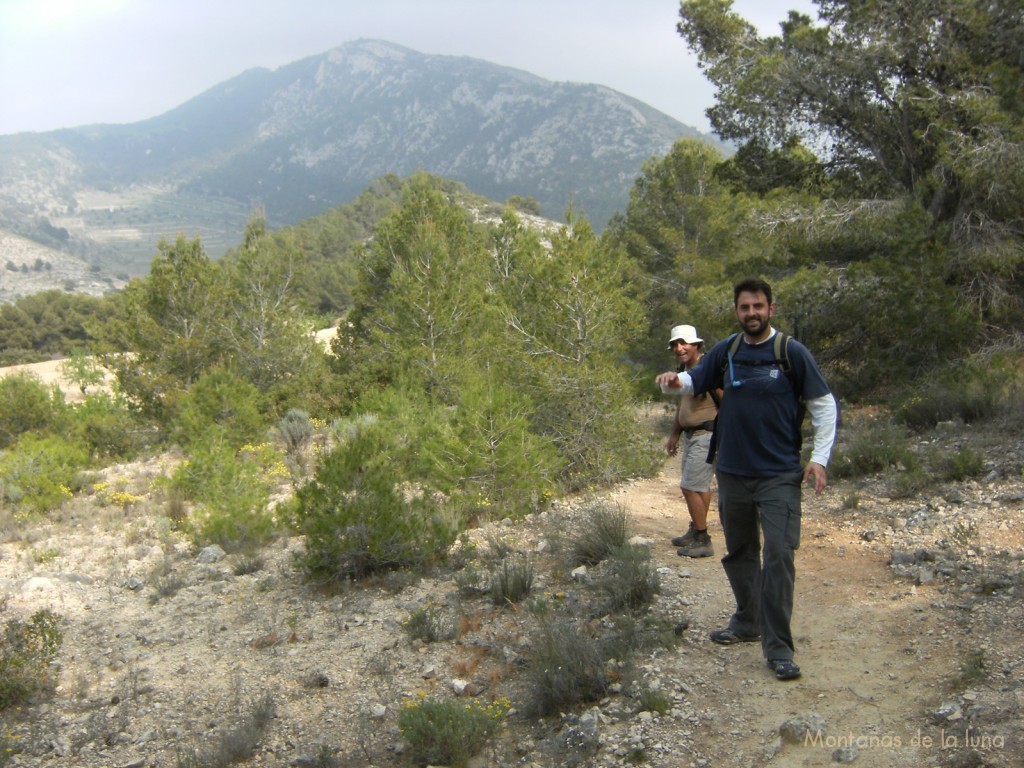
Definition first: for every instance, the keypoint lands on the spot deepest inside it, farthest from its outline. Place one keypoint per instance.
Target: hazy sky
(66, 63)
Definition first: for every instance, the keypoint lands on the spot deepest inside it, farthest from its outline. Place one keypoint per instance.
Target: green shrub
(487, 454)
(247, 565)
(236, 743)
(232, 492)
(959, 465)
(565, 667)
(628, 580)
(224, 400)
(429, 625)
(359, 517)
(83, 369)
(640, 632)
(26, 404)
(28, 649)
(448, 731)
(653, 700)
(973, 669)
(106, 427)
(9, 747)
(873, 448)
(296, 430)
(924, 409)
(510, 581)
(964, 536)
(39, 473)
(979, 389)
(907, 483)
(603, 529)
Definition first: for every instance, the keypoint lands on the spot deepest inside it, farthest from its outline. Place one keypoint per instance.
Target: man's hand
(819, 474)
(668, 379)
(672, 444)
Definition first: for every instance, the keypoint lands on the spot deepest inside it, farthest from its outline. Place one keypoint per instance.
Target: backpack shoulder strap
(734, 344)
(781, 350)
(736, 339)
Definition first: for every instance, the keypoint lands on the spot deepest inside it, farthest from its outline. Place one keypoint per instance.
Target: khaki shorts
(697, 473)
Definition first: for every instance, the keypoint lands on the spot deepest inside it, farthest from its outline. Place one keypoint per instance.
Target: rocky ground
(908, 626)
(27, 268)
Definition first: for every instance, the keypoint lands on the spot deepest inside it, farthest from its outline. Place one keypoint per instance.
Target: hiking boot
(728, 637)
(784, 669)
(686, 539)
(700, 547)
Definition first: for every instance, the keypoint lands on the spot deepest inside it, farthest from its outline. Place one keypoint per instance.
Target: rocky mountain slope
(312, 135)
(27, 268)
(907, 631)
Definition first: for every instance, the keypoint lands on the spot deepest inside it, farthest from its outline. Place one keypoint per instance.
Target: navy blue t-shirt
(758, 433)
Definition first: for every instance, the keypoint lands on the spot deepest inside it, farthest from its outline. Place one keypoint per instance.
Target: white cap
(686, 333)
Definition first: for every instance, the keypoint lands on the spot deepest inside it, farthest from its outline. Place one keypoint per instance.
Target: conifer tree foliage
(359, 517)
(50, 323)
(191, 316)
(419, 303)
(509, 357)
(685, 230)
(918, 105)
(169, 324)
(264, 330)
(571, 322)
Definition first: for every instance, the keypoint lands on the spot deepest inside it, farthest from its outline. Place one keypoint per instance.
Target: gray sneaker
(701, 546)
(686, 539)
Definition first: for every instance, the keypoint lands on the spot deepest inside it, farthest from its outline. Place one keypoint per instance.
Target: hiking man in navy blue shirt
(759, 469)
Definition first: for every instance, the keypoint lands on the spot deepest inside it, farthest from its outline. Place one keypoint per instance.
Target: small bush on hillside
(653, 700)
(873, 448)
(977, 390)
(907, 483)
(25, 656)
(489, 458)
(602, 529)
(226, 401)
(430, 625)
(628, 580)
(973, 669)
(83, 370)
(237, 742)
(26, 404)
(232, 492)
(959, 465)
(640, 632)
(359, 517)
(296, 430)
(448, 731)
(510, 581)
(565, 667)
(106, 427)
(39, 473)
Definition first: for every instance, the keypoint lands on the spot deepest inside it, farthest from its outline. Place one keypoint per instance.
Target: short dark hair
(751, 285)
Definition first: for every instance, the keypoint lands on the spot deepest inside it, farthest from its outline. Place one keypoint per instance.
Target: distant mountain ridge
(311, 135)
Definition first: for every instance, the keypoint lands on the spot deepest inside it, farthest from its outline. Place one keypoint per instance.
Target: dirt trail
(870, 648)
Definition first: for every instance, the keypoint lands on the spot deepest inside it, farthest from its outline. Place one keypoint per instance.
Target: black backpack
(780, 348)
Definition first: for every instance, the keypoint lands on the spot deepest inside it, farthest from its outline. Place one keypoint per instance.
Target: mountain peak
(313, 134)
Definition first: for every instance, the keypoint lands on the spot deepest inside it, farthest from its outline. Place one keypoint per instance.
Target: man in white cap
(694, 423)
